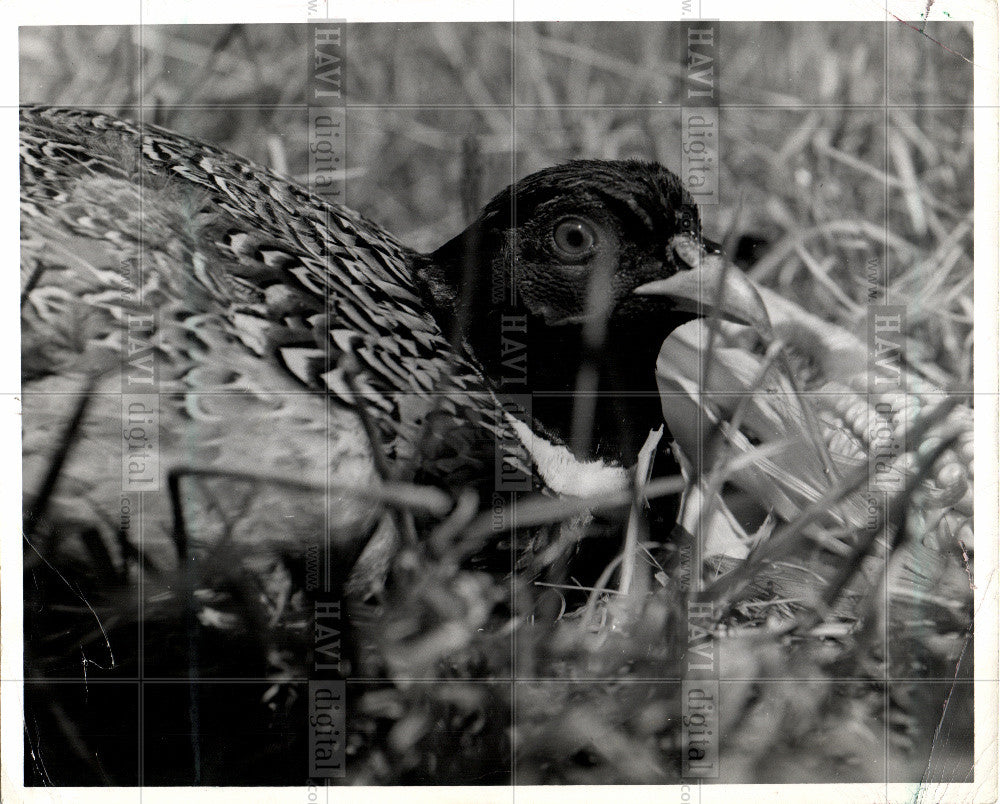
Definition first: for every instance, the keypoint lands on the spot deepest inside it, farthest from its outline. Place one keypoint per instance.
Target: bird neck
(537, 365)
(527, 356)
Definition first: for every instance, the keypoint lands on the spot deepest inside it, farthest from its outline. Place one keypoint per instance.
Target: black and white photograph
(501, 403)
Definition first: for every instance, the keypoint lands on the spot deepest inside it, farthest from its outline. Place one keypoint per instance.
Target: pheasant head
(541, 290)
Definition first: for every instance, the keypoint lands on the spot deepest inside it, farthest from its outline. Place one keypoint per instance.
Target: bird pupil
(575, 237)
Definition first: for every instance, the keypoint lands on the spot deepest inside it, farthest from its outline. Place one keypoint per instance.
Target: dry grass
(836, 169)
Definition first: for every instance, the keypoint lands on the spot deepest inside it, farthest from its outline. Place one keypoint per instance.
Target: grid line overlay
(514, 107)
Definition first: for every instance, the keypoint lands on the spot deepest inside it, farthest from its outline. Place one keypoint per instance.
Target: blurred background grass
(840, 142)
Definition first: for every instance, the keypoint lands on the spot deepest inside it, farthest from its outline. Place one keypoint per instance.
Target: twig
(40, 505)
(399, 495)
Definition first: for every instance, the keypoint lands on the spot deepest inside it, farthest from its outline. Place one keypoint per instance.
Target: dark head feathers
(648, 199)
(652, 195)
(513, 263)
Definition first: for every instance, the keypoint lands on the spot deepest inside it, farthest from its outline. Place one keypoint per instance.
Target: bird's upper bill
(712, 286)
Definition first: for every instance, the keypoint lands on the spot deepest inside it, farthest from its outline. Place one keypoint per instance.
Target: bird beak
(710, 285)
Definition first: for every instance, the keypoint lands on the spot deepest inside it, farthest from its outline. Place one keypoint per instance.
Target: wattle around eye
(574, 238)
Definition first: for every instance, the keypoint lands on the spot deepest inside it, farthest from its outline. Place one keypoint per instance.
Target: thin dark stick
(40, 505)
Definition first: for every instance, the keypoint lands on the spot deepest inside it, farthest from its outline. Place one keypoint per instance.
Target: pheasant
(218, 317)
(250, 326)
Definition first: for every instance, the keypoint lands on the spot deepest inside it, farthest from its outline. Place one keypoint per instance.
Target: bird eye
(574, 237)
